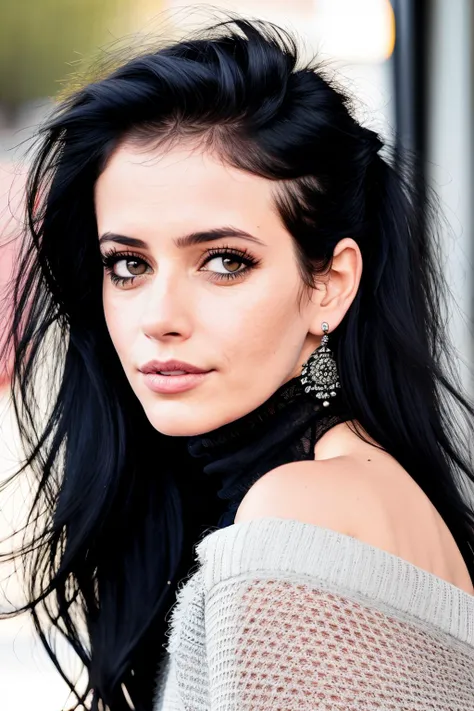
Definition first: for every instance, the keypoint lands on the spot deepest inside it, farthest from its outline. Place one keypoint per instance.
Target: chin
(178, 431)
(176, 422)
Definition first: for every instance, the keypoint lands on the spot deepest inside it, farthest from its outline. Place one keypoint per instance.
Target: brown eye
(129, 267)
(228, 263)
(232, 264)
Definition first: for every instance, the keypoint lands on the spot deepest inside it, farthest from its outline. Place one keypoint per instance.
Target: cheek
(120, 324)
(261, 325)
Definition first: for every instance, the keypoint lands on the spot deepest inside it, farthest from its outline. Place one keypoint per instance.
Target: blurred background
(410, 66)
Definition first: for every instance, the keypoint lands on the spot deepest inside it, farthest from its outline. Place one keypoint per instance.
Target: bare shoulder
(346, 488)
(332, 493)
(368, 496)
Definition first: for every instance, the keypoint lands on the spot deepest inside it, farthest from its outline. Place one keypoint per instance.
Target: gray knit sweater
(283, 615)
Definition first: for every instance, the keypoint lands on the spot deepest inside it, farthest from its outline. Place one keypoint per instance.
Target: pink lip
(154, 366)
(173, 383)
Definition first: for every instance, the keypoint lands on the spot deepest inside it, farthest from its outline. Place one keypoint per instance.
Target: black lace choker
(283, 429)
(249, 426)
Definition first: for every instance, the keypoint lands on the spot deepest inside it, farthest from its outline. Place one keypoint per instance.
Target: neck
(284, 428)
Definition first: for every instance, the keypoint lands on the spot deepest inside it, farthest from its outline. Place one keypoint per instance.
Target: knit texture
(284, 615)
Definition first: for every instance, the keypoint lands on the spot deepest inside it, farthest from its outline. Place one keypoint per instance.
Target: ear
(338, 287)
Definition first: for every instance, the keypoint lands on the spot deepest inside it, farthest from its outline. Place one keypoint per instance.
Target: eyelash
(111, 257)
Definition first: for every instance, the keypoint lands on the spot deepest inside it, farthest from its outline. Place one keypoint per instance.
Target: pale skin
(254, 334)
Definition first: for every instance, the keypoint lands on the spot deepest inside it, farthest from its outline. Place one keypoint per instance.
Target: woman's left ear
(340, 284)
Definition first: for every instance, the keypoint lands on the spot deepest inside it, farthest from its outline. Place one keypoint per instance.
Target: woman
(249, 313)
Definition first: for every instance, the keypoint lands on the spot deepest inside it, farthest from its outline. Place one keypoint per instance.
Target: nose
(166, 308)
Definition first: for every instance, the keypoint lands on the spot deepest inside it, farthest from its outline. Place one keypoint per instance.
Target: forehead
(181, 185)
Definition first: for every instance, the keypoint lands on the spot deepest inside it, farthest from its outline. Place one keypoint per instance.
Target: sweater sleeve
(281, 639)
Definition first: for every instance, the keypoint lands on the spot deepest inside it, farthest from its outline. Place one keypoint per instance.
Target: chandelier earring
(319, 374)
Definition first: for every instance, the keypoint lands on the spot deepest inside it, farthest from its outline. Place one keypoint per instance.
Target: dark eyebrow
(187, 240)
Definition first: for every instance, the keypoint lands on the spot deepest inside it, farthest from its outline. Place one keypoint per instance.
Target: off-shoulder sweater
(283, 615)
(276, 614)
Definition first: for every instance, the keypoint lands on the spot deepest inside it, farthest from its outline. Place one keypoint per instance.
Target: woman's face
(229, 306)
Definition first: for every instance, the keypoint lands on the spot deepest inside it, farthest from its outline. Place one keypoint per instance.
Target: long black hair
(106, 525)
